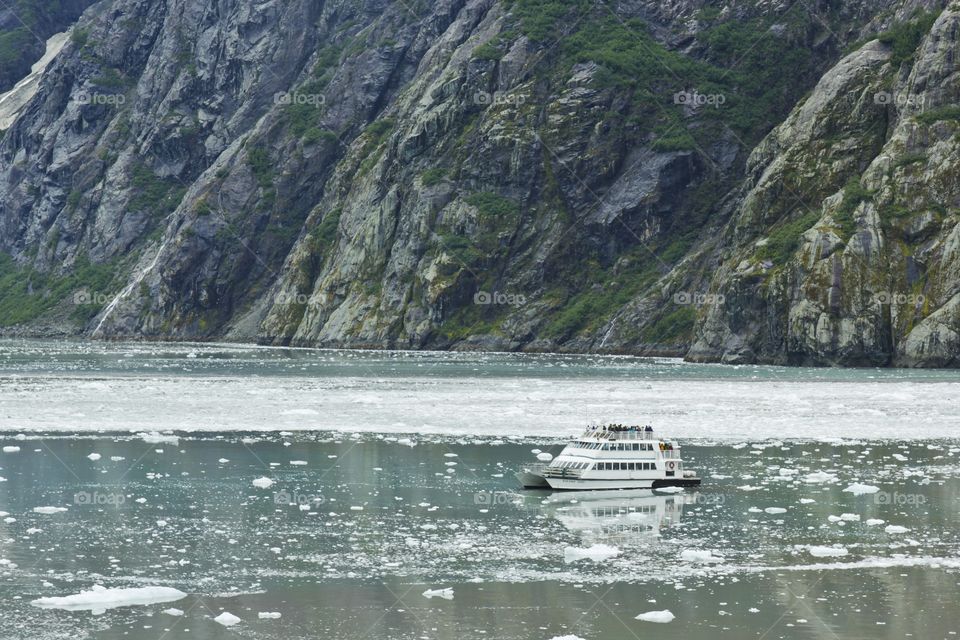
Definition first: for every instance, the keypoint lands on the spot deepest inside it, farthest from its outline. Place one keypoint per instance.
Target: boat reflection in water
(617, 518)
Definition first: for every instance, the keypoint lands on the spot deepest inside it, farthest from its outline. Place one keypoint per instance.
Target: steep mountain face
(734, 181)
(854, 199)
(25, 26)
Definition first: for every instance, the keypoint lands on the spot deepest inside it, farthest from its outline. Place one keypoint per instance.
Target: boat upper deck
(619, 432)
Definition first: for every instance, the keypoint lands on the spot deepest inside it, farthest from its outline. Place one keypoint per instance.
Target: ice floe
(858, 489)
(662, 617)
(100, 598)
(227, 619)
(596, 553)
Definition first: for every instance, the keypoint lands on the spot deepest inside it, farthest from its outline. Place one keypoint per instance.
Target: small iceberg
(662, 617)
(858, 489)
(596, 553)
(446, 594)
(227, 619)
(99, 598)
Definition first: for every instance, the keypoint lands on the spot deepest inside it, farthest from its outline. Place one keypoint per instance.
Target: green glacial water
(354, 530)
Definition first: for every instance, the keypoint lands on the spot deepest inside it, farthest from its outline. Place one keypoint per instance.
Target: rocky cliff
(732, 181)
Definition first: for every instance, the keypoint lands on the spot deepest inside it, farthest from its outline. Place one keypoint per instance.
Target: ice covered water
(355, 538)
(371, 496)
(143, 387)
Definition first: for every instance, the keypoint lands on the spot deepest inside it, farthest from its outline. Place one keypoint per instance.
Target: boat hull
(531, 480)
(578, 484)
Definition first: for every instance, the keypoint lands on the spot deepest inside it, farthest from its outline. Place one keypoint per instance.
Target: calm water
(392, 476)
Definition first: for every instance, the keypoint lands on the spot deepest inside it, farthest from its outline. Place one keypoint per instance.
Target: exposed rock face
(526, 175)
(868, 164)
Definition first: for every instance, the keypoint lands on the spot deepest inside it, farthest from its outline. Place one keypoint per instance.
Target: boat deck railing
(626, 434)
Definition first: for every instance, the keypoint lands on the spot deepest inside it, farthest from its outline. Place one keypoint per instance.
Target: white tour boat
(612, 457)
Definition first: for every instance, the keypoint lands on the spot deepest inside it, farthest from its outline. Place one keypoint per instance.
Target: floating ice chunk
(446, 594)
(99, 598)
(596, 553)
(873, 522)
(820, 477)
(49, 510)
(775, 510)
(94, 456)
(269, 615)
(263, 483)
(543, 456)
(895, 528)
(566, 638)
(845, 517)
(858, 489)
(807, 500)
(155, 437)
(11, 449)
(662, 617)
(227, 619)
(298, 463)
(223, 460)
(835, 551)
(696, 555)
(748, 487)
(173, 611)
